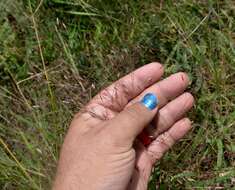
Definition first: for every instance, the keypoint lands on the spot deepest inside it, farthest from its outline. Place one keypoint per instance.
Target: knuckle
(166, 118)
(155, 156)
(169, 138)
(124, 89)
(133, 114)
(166, 140)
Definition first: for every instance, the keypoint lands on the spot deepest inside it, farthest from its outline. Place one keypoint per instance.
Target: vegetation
(56, 54)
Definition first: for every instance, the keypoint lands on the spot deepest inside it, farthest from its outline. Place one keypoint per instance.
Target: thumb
(131, 121)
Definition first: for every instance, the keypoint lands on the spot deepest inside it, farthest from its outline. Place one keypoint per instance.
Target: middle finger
(166, 89)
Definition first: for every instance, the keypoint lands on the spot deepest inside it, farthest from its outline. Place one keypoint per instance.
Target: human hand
(101, 150)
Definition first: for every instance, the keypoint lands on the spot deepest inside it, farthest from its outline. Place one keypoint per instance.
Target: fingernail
(150, 101)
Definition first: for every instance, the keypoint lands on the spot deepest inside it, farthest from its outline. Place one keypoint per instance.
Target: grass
(56, 54)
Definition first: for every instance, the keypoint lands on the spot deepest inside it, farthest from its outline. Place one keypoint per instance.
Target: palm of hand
(95, 150)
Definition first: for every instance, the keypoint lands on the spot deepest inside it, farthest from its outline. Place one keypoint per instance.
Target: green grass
(56, 54)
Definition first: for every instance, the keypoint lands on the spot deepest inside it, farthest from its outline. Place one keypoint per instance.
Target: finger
(131, 121)
(116, 96)
(166, 140)
(171, 113)
(167, 89)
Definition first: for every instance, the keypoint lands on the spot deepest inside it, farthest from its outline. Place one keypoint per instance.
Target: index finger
(116, 96)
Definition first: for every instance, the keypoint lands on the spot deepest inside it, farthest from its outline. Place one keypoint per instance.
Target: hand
(101, 150)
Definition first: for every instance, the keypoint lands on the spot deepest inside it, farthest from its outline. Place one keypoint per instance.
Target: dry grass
(57, 54)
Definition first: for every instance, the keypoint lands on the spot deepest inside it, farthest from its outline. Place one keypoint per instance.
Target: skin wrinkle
(125, 158)
(101, 98)
(155, 156)
(105, 96)
(166, 140)
(100, 115)
(138, 81)
(94, 114)
(116, 98)
(164, 120)
(110, 108)
(104, 113)
(163, 147)
(122, 165)
(113, 100)
(123, 89)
